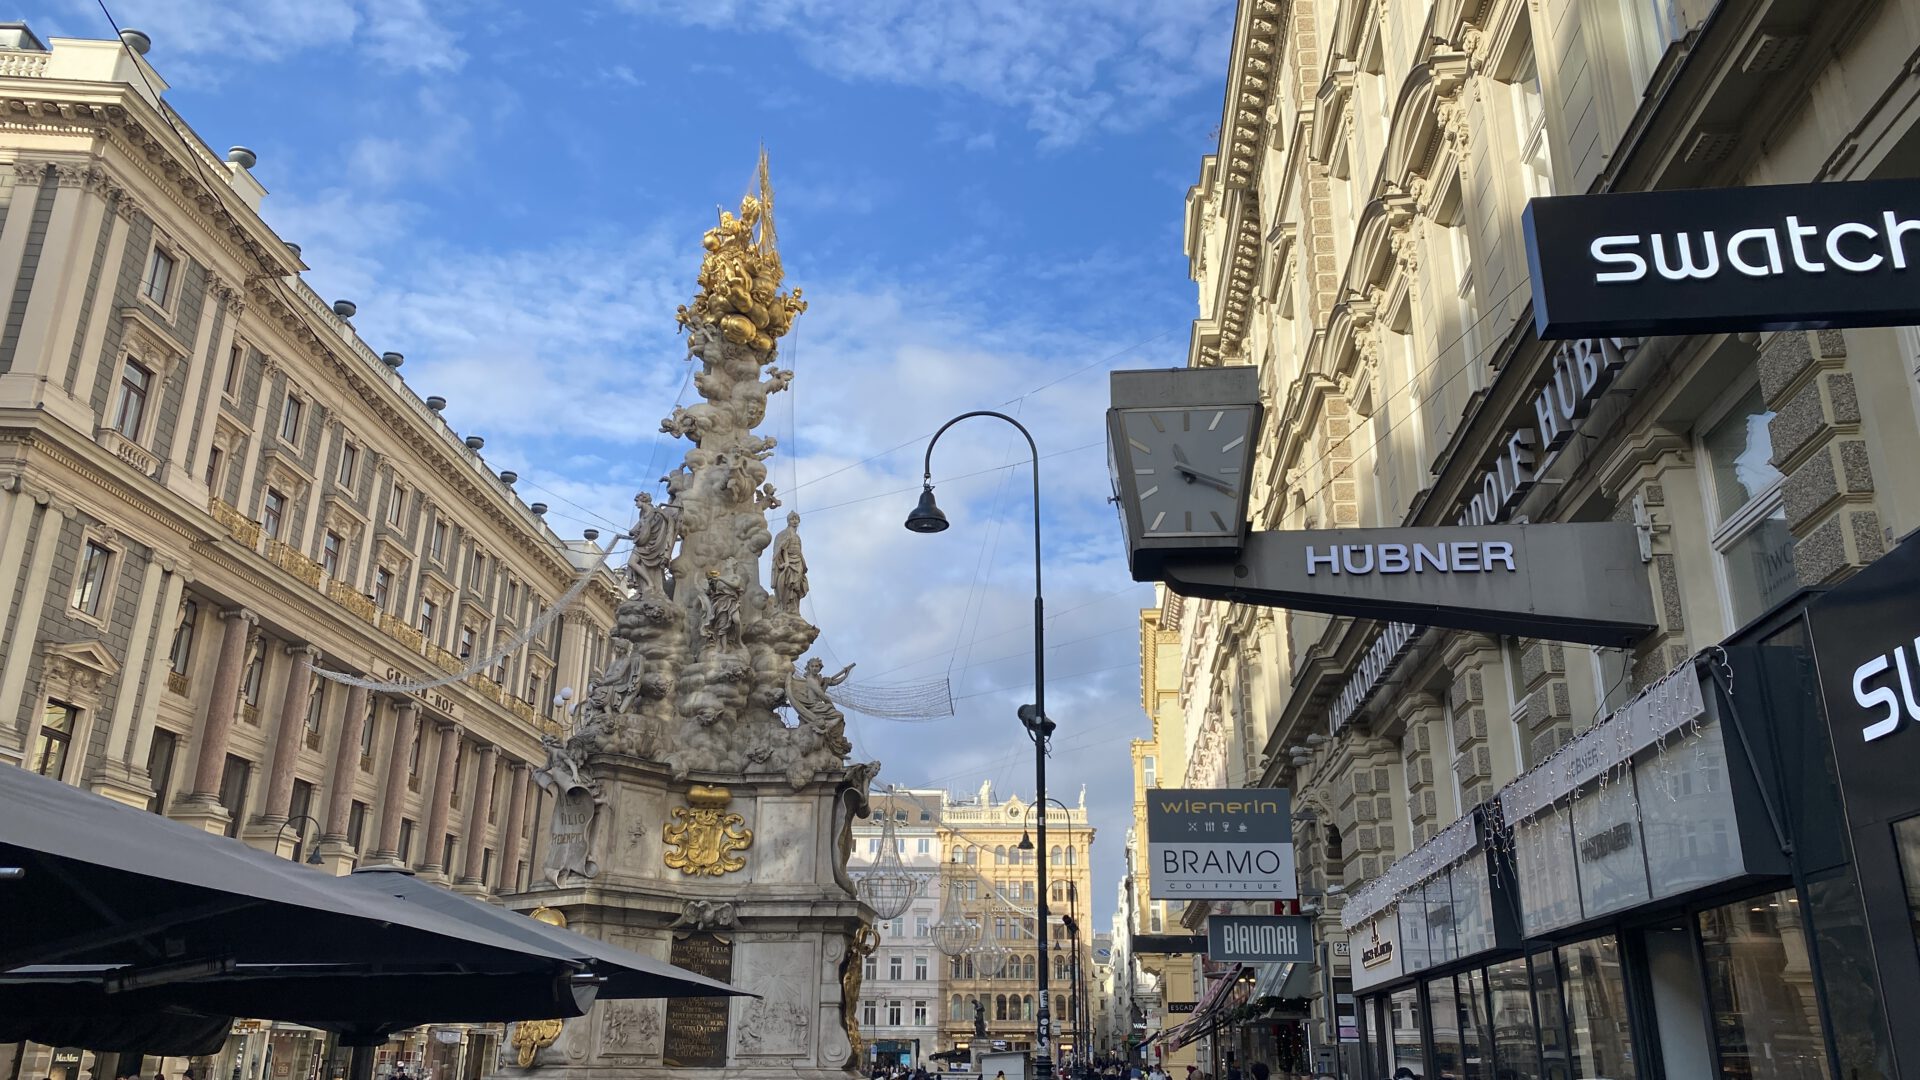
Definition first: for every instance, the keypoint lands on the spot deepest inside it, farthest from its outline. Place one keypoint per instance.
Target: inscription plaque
(696, 1035)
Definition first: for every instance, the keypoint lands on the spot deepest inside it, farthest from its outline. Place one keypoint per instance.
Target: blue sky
(982, 200)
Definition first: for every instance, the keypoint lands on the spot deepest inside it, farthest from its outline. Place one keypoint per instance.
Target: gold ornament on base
(704, 836)
(532, 1036)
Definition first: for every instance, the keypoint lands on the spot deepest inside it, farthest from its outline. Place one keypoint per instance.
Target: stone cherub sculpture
(789, 567)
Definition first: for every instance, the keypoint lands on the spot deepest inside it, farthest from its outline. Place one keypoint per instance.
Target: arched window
(1000, 1007)
(1059, 967)
(1073, 855)
(1334, 856)
(970, 973)
(1029, 970)
(1027, 1007)
(1055, 856)
(1059, 892)
(953, 1009)
(973, 857)
(1000, 855)
(954, 967)
(1059, 1006)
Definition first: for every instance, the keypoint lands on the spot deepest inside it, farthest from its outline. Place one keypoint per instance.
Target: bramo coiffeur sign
(1221, 843)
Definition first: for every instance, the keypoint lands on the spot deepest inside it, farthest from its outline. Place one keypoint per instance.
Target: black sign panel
(1260, 939)
(1866, 641)
(1782, 257)
(696, 1035)
(1169, 944)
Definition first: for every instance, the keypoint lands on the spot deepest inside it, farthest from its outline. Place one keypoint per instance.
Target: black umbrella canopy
(102, 883)
(626, 974)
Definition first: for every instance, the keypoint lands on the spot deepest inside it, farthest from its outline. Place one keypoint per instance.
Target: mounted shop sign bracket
(1181, 448)
(1713, 260)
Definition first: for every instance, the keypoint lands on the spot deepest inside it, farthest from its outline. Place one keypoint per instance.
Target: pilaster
(1828, 493)
(109, 776)
(26, 622)
(1477, 699)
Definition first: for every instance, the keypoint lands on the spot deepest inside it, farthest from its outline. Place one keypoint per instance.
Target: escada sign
(1781, 257)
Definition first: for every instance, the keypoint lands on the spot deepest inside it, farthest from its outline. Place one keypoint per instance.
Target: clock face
(1188, 467)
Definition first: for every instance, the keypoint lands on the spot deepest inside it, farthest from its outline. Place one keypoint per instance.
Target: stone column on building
(1430, 805)
(109, 776)
(51, 320)
(289, 733)
(518, 777)
(1486, 749)
(24, 634)
(201, 804)
(443, 778)
(28, 176)
(471, 879)
(93, 345)
(335, 853)
(393, 799)
(250, 463)
(233, 303)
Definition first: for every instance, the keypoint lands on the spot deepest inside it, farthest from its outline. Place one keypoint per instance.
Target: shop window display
(1549, 884)
(1551, 1014)
(1596, 1008)
(1403, 1012)
(1766, 1019)
(1686, 813)
(1444, 1011)
(1516, 1051)
(1476, 1037)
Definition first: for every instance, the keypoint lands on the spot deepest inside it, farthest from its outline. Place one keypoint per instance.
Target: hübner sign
(1463, 557)
(1791, 256)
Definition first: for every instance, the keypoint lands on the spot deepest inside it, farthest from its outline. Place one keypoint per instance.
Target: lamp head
(1026, 841)
(927, 517)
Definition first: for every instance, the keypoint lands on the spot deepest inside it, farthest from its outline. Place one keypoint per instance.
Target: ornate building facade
(1356, 236)
(903, 986)
(212, 489)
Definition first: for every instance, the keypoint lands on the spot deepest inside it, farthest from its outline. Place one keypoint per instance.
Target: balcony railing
(283, 555)
(399, 631)
(444, 660)
(343, 594)
(238, 526)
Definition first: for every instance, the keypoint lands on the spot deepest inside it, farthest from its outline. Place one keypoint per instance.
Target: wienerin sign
(1783, 257)
(1217, 844)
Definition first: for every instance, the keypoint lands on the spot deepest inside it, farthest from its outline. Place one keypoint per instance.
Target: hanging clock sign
(1180, 447)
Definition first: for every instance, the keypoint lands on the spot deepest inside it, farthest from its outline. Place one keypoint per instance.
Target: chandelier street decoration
(887, 887)
(956, 932)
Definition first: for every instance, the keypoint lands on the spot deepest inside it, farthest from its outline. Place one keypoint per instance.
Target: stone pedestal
(780, 925)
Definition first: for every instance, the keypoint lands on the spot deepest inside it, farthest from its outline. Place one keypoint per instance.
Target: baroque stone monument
(690, 822)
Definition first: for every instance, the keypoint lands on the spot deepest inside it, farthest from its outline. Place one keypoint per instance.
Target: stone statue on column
(789, 567)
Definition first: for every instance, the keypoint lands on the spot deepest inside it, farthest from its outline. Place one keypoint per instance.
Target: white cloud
(400, 34)
(1072, 66)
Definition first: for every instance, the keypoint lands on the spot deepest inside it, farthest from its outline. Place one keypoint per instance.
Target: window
(869, 1014)
(1530, 126)
(349, 462)
(250, 681)
(158, 285)
(920, 1013)
(366, 732)
(1750, 523)
(160, 768)
(923, 846)
(406, 840)
(56, 738)
(233, 791)
(446, 853)
(316, 705)
(512, 604)
(301, 806)
(236, 359)
(413, 750)
(215, 458)
(477, 578)
(1056, 857)
(1760, 985)
(356, 823)
(1469, 339)
(273, 513)
(438, 546)
(90, 586)
(1147, 770)
(135, 382)
(396, 502)
(872, 969)
(893, 1013)
(920, 964)
(893, 968)
(290, 419)
(920, 929)
(429, 611)
(1651, 26)
(330, 553)
(383, 589)
(466, 642)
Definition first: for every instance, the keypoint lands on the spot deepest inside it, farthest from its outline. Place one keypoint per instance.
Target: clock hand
(1193, 474)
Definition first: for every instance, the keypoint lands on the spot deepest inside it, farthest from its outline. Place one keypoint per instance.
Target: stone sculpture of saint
(653, 535)
(789, 567)
(807, 693)
(722, 624)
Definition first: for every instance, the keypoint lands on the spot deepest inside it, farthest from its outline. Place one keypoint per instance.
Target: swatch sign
(1709, 260)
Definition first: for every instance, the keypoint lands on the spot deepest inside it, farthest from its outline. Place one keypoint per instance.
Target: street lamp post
(313, 851)
(927, 518)
(1073, 919)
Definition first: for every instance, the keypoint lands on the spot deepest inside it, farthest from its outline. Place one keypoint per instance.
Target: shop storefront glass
(1766, 1020)
(1403, 1012)
(1606, 833)
(1476, 1038)
(1906, 837)
(1596, 1006)
(1687, 814)
(1554, 1059)
(1444, 1012)
(1516, 1050)
(1549, 885)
